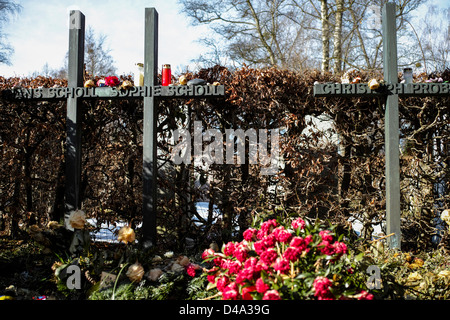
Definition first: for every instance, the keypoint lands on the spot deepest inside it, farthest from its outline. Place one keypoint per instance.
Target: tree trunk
(262, 37)
(337, 37)
(325, 36)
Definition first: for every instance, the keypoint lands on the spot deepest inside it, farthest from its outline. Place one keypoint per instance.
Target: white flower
(168, 254)
(77, 219)
(445, 215)
(135, 272)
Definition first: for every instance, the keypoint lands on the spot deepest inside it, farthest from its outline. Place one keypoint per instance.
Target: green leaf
(304, 275)
(359, 257)
(211, 286)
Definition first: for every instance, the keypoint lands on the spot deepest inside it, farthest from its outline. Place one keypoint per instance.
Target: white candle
(139, 75)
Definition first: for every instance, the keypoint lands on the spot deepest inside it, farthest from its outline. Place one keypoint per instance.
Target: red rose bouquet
(112, 81)
(294, 261)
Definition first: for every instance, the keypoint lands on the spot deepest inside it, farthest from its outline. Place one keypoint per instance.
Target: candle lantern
(139, 75)
(408, 75)
(166, 75)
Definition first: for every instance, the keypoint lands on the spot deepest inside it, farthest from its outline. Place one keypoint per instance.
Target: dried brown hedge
(321, 178)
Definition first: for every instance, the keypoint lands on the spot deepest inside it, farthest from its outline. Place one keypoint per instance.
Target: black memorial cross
(150, 93)
(390, 91)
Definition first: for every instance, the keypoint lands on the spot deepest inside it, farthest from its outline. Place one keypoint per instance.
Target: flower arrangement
(274, 262)
(110, 81)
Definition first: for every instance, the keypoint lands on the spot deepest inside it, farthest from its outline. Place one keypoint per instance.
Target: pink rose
(297, 242)
(326, 236)
(327, 248)
(230, 292)
(340, 247)
(190, 269)
(261, 287)
(250, 234)
(281, 265)
(247, 274)
(228, 250)
(233, 266)
(298, 223)
(211, 278)
(364, 295)
(292, 253)
(207, 253)
(269, 241)
(269, 256)
(222, 282)
(282, 235)
(259, 247)
(112, 81)
(322, 288)
(271, 295)
(240, 253)
(269, 225)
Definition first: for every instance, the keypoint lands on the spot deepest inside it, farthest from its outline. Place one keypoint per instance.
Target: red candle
(166, 75)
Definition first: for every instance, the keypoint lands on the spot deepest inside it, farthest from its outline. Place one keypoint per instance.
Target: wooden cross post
(73, 119)
(390, 91)
(391, 127)
(150, 166)
(151, 92)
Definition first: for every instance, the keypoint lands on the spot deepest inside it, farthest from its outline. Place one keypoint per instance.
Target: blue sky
(39, 34)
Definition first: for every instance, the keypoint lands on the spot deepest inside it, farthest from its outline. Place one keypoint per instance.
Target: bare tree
(97, 57)
(296, 34)
(325, 21)
(435, 38)
(362, 30)
(260, 33)
(7, 8)
(337, 36)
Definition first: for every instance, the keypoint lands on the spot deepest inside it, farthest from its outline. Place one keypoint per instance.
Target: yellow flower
(77, 219)
(417, 263)
(126, 234)
(127, 84)
(183, 80)
(373, 84)
(89, 83)
(135, 272)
